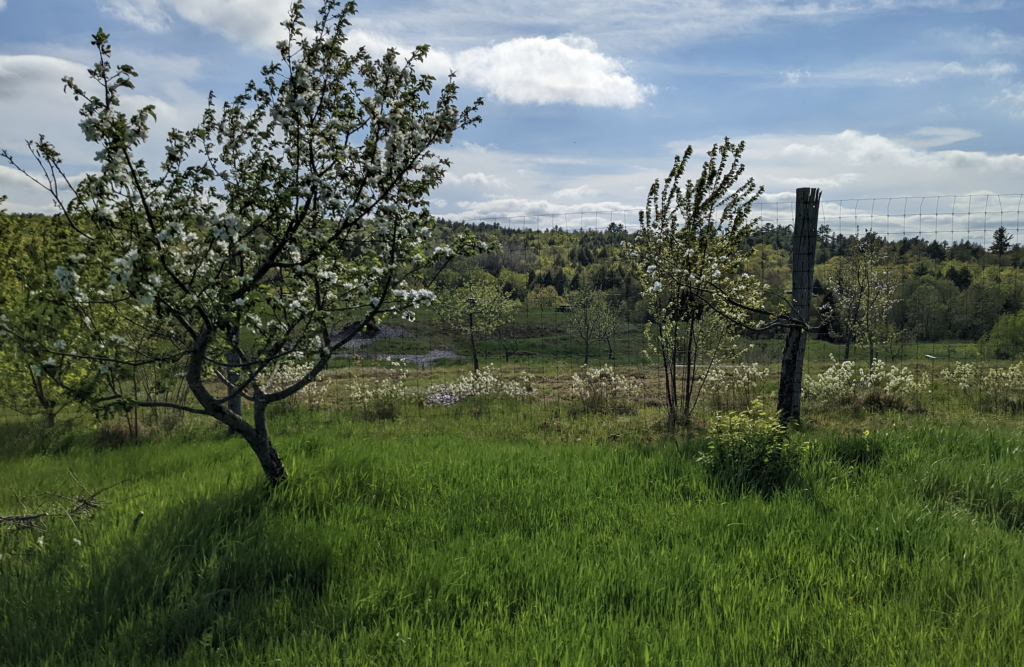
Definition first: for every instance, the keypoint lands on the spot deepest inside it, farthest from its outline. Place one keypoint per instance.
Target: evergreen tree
(1000, 242)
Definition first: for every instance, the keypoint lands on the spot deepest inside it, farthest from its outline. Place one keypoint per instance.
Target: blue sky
(587, 102)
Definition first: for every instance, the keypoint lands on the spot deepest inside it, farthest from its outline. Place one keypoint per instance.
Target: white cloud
(531, 70)
(239, 20)
(566, 69)
(147, 14)
(794, 77)
(900, 73)
(33, 102)
(539, 185)
(25, 196)
(1013, 98)
(930, 137)
(21, 73)
(3, 3)
(854, 164)
(846, 165)
(580, 192)
(547, 213)
(477, 178)
(248, 22)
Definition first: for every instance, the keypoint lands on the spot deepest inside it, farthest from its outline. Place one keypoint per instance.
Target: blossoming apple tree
(689, 254)
(296, 208)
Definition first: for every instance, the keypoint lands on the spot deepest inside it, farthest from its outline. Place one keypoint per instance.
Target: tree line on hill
(936, 290)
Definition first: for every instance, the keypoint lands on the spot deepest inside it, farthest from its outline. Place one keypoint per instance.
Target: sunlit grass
(499, 532)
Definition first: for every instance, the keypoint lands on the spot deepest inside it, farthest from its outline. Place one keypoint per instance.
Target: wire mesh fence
(959, 271)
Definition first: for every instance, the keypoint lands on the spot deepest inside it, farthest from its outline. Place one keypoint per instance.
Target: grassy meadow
(505, 532)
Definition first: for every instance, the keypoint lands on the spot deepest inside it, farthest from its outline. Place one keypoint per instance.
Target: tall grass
(495, 532)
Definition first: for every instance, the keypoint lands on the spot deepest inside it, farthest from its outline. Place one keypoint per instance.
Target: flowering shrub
(604, 390)
(837, 383)
(480, 383)
(382, 394)
(962, 375)
(875, 386)
(748, 449)
(1004, 387)
(739, 382)
(291, 371)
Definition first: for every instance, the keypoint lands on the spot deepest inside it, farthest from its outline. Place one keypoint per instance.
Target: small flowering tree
(298, 207)
(863, 288)
(590, 319)
(688, 254)
(477, 308)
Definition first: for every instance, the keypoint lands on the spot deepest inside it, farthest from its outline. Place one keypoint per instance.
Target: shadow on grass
(198, 576)
(855, 450)
(766, 484)
(33, 437)
(981, 496)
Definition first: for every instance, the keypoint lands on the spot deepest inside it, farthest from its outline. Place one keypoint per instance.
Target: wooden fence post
(805, 237)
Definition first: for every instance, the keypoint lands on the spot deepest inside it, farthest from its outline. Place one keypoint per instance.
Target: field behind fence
(960, 228)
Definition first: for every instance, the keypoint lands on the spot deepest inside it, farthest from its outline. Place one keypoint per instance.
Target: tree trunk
(586, 352)
(609, 341)
(255, 434)
(49, 416)
(259, 441)
(846, 354)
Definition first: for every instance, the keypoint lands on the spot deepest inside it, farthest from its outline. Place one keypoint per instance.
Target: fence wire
(958, 228)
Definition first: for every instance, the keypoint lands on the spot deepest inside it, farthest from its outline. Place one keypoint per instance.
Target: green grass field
(547, 340)
(496, 532)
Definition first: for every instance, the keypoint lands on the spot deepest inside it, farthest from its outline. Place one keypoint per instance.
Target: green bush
(1007, 336)
(749, 450)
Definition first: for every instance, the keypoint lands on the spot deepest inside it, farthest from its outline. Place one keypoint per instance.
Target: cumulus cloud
(545, 213)
(846, 165)
(33, 102)
(566, 69)
(531, 70)
(540, 185)
(26, 196)
(855, 164)
(248, 22)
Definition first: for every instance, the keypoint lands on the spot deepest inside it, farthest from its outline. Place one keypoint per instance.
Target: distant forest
(942, 291)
